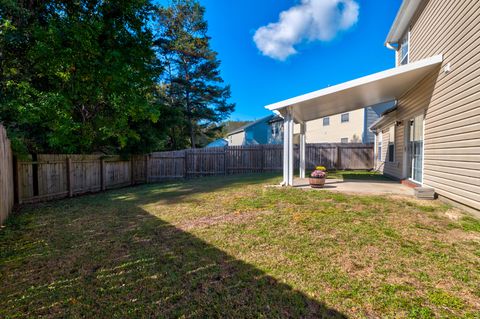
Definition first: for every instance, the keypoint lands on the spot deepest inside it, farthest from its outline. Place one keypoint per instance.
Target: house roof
(217, 143)
(276, 118)
(402, 20)
(370, 90)
(385, 118)
(243, 128)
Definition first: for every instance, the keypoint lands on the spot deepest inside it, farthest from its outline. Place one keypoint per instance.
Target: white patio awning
(370, 90)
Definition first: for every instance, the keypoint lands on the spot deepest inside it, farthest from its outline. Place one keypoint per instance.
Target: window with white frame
(379, 146)
(344, 140)
(405, 49)
(326, 121)
(345, 117)
(391, 144)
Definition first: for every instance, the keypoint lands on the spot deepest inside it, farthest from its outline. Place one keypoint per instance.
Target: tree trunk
(190, 121)
(192, 133)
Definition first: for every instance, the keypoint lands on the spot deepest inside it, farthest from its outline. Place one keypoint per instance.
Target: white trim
(394, 159)
(408, 51)
(406, 133)
(357, 82)
(288, 148)
(423, 150)
(402, 20)
(302, 149)
(406, 157)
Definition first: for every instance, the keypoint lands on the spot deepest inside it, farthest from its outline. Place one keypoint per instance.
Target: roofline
(242, 128)
(360, 81)
(402, 20)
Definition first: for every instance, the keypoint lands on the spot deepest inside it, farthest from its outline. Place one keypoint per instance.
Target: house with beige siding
(348, 127)
(431, 135)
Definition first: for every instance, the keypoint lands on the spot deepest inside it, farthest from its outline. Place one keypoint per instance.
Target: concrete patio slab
(360, 187)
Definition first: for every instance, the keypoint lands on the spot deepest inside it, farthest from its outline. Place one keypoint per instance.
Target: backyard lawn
(232, 247)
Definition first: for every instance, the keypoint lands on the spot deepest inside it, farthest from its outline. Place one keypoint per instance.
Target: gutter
(402, 21)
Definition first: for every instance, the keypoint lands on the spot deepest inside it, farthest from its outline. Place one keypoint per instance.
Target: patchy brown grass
(231, 247)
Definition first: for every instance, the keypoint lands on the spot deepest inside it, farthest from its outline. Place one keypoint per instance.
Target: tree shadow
(103, 257)
(172, 192)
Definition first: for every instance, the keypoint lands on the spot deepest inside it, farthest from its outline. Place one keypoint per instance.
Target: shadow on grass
(103, 257)
(173, 192)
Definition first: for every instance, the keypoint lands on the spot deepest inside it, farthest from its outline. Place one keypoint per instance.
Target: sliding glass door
(415, 149)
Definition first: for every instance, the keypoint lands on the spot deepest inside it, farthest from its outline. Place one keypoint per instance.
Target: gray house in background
(372, 114)
(254, 133)
(275, 131)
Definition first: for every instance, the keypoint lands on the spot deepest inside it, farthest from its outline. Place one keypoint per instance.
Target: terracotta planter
(316, 182)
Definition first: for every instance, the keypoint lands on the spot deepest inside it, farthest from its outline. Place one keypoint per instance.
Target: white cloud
(311, 20)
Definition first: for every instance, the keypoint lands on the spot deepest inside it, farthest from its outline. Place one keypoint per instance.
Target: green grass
(229, 247)
(357, 175)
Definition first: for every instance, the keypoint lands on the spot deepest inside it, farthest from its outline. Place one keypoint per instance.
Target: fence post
(147, 168)
(102, 174)
(339, 157)
(262, 159)
(185, 164)
(70, 177)
(132, 176)
(225, 160)
(18, 181)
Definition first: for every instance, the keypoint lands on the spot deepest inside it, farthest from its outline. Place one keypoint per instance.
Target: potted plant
(317, 177)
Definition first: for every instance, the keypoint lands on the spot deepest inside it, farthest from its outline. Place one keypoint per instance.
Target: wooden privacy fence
(6, 176)
(55, 176)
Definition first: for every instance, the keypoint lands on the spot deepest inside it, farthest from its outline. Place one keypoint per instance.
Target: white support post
(290, 151)
(302, 150)
(288, 148)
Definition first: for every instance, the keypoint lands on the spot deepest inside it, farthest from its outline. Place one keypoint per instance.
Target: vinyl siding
(333, 133)
(451, 102)
(236, 139)
(394, 168)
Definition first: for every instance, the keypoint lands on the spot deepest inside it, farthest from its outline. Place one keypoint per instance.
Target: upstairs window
(326, 121)
(345, 118)
(405, 49)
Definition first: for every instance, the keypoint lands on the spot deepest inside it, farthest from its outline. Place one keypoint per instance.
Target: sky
(272, 50)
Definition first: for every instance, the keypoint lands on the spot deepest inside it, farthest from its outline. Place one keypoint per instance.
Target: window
(274, 129)
(379, 147)
(326, 121)
(344, 140)
(391, 144)
(345, 117)
(405, 49)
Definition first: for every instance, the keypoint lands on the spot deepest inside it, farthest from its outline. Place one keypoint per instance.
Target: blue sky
(341, 55)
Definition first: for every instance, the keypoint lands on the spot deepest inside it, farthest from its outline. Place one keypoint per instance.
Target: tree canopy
(81, 76)
(193, 84)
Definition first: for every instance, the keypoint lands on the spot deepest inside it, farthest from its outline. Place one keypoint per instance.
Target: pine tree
(193, 83)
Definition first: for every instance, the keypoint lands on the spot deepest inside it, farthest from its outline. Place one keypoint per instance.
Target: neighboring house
(221, 142)
(275, 130)
(432, 136)
(251, 134)
(349, 127)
